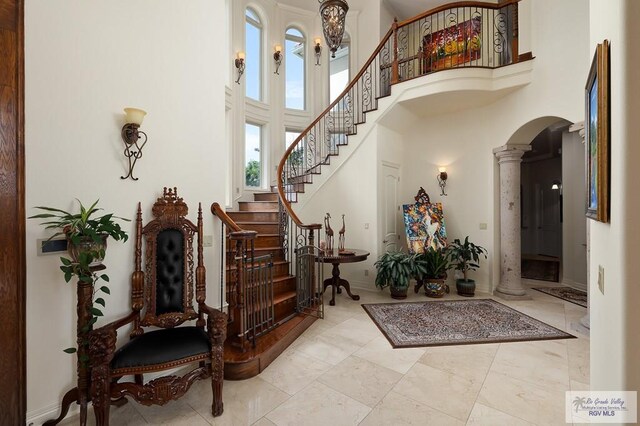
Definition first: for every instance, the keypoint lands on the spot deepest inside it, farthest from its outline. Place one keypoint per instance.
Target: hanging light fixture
(333, 14)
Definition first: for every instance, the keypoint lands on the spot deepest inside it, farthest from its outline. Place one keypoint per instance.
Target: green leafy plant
(82, 227)
(395, 269)
(436, 263)
(252, 173)
(465, 256)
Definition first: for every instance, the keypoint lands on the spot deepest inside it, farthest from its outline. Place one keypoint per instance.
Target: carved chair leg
(139, 379)
(100, 391)
(217, 379)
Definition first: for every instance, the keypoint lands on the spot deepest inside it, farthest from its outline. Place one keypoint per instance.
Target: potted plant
(436, 264)
(394, 270)
(86, 234)
(465, 256)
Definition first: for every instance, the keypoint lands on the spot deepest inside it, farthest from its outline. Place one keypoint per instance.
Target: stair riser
(253, 216)
(261, 228)
(280, 269)
(267, 241)
(285, 308)
(251, 206)
(266, 197)
(283, 286)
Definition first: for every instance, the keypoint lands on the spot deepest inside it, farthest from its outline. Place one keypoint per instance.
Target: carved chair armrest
(216, 323)
(102, 340)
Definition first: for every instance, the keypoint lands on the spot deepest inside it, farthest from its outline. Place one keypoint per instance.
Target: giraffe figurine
(328, 233)
(341, 237)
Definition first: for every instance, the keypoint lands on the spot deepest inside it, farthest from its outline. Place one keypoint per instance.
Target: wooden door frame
(13, 395)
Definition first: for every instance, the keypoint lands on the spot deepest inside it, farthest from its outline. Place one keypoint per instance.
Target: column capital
(511, 152)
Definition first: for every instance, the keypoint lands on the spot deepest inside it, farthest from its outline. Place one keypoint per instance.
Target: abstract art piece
(452, 46)
(424, 225)
(597, 135)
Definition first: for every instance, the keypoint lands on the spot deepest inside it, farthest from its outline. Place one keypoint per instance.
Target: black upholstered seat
(160, 346)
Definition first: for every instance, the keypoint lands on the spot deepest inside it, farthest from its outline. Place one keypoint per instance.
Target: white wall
(616, 246)
(574, 227)
(85, 61)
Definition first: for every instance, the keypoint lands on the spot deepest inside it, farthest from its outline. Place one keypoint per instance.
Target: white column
(509, 159)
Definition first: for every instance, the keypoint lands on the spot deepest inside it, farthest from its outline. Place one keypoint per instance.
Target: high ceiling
(403, 8)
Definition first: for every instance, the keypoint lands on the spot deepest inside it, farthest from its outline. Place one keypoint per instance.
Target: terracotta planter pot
(398, 293)
(466, 288)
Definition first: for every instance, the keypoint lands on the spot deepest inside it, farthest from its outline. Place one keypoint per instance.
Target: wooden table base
(336, 282)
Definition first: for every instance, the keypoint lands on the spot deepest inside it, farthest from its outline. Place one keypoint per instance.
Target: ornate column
(509, 159)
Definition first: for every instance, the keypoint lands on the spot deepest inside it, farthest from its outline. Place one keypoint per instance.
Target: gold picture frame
(597, 135)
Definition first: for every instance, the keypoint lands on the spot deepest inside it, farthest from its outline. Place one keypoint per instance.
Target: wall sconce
(318, 49)
(131, 135)
(556, 185)
(239, 63)
(277, 57)
(442, 179)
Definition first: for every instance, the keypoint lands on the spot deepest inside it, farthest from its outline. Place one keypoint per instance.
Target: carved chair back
(163, 293)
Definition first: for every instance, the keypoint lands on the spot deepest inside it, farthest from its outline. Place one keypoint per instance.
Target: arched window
(253, 61)
(294, 69)
(339, 69)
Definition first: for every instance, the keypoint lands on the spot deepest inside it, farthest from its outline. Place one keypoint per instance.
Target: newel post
(394, 65)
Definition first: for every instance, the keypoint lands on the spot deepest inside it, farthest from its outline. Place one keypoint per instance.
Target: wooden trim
(13, 395)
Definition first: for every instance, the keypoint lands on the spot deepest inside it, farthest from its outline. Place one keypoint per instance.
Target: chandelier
(333, 14)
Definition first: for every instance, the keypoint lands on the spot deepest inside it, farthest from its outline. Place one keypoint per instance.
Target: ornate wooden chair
(161, 296)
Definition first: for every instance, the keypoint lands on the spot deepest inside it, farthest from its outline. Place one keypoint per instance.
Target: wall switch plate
(366, 272)
(601, 278)
(366, 226)
(207, 241)
(483, 226)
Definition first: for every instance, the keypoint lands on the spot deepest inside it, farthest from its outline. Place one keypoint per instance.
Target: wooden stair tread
(286, 295)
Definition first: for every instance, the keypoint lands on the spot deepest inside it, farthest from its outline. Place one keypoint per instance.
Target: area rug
(457, 322)
(566, 293)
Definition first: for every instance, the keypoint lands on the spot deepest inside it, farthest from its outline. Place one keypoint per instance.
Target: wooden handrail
(236, 233)
(302, 135)
(394, 64)
(455, 5)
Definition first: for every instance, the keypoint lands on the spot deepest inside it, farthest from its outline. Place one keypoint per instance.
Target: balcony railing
(458, 35)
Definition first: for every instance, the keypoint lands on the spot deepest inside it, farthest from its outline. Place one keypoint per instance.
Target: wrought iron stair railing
(249, 284)
(457, 35)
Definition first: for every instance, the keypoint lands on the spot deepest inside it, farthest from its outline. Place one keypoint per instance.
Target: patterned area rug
(566, 293)
(457, 322)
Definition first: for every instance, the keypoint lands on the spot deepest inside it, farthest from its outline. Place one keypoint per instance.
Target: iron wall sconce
(442, 180)
(277, 57)
(318, 50)
(239, 63)
(131, 135)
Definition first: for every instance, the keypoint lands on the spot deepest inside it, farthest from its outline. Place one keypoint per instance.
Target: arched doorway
(512, 225)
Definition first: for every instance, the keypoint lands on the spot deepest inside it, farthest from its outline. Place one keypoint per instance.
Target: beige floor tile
(542, 406)
(293, 370)
(357, 331)
(318, 327)
(328, 348)
(380, 351)
(361, 380)
(453, 395)
(319, 405)
(542, 363)
(264, 422)
(398, 410)
(481, 415)
(245, 401)
(579, 362)
(175, 413)
(579, 386)
(127, 415)
(469, 361)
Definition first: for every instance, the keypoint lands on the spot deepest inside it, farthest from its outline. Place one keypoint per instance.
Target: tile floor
(342, 371)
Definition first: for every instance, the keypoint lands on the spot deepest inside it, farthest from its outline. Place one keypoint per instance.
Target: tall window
(253, 155)
(339, 69)
(294, 69)
(289, 137)
(253, 60)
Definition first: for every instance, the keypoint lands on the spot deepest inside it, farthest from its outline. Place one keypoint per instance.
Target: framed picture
(597, 135)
